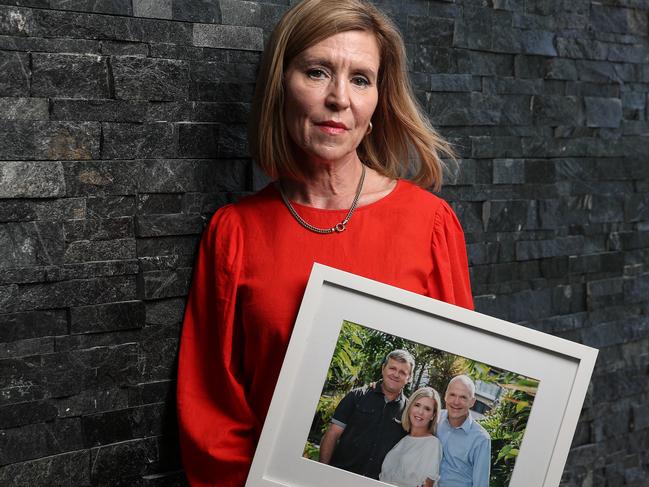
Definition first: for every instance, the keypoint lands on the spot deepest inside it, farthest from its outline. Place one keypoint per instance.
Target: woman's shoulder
(250, 206)
(422, 201)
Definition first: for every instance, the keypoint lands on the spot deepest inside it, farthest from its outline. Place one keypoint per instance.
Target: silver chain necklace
(338, 227)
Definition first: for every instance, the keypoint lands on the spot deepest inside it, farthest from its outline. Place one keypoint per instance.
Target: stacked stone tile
(122, 129)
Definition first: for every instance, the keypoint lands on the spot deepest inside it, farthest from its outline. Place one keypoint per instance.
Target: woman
(336, 123)
(415, 460)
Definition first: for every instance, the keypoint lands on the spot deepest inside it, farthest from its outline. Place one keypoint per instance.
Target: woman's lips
(331, 127)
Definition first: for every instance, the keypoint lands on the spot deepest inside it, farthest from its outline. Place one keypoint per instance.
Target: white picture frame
(332, 296)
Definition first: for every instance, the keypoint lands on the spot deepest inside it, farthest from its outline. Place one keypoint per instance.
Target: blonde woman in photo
(415, 460)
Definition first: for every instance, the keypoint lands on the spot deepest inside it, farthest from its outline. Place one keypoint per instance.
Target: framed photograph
(344, 328)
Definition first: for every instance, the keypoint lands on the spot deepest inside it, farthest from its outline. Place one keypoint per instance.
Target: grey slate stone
(41, 440)
(31, 244)
(67, 468)
(161, 225)
(24, 109)
(100, 250)
(121, 141)
(70, 76)
(15, 69)
(205, 11)
(15, 21)
(32, 324)
(238, 12)
(603, 112)
(508, 171)
(107, 317)
(116, 7)
(150, 79)
(48, 140)
(160, 9)
(24, 179)
(228, 37)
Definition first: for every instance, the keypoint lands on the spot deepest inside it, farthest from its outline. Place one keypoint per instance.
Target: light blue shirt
(466, 455)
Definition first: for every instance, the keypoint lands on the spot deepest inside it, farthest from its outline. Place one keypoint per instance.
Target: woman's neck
(418, 432)
(328, 186)
(333, 186)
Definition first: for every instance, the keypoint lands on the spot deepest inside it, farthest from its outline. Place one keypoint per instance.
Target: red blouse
(252, 267)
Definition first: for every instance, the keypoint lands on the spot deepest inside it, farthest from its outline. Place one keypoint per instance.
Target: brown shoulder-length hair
(419, 393)
(402, 142)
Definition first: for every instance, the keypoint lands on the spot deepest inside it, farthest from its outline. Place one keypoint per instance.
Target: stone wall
(122, 129)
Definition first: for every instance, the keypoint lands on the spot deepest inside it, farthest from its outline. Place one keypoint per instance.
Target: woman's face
(422, 412)
(330, 95)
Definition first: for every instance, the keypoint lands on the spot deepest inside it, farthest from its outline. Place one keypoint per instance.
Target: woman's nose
(338, 95)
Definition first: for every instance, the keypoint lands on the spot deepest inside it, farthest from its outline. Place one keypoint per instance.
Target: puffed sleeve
(450, 274)
(216, 423)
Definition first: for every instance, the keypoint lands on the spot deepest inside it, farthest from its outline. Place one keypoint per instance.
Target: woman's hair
(400, 132)
(418, 394)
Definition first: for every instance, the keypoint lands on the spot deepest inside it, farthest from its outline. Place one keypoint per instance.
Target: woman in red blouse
(336, 123)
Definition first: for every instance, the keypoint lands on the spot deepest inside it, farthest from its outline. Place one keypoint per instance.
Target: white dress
(412, 461)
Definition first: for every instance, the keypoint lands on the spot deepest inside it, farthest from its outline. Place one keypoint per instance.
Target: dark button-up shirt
(372, 427)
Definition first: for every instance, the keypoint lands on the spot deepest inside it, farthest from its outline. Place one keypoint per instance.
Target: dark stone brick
(220, 92)
(80, 46)
(63, 469)
(69, 76)
(196, 11)
(637, 290)
(31, 244)
(24, 108)
(165, 312)
(198, 140)
(101, 178)
(167, 246)
(581, 48)
(485, 64)
(26, 413)
(71, 293)
(228, 37)
(24, 179)
(557, 110)
(25, 348)
(159, 204)
(454, 82)
(607, 208)
(166, 284)
(503, 216)
(603, 112)
(118, 48)
(100, 250)
(111, 206)
(117, 7)
(98, 229)
(39, 440)
(609, 19)
(526, 250)
(107, 317)
(162, 225)
(539, 42)
(52, 23)
(122, 460)
(32, 324)
(49, 140)
(122, 425)
(150, 79)
(173, 176)
(433, 31)
(220, 112)
(15, 69)
(15, 21)
(235, 12)
(121, 141)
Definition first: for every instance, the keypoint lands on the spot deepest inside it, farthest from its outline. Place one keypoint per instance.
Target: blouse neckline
(397, 189)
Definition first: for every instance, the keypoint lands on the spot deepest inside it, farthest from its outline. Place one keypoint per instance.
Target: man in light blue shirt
(466, 445)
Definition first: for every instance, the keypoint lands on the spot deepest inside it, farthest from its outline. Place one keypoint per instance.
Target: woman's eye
(360, 81)
(316, 73)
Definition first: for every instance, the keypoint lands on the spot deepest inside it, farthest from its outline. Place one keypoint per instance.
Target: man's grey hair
(403, 356)
(466, 380)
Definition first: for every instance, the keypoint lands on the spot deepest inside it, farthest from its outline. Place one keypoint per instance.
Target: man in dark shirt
(367, 422)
